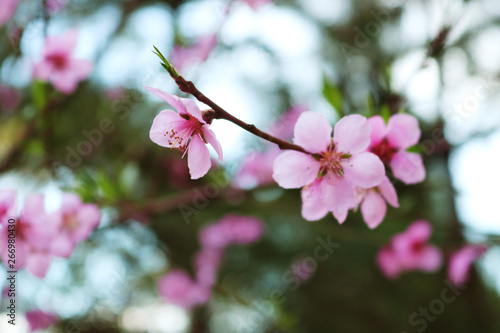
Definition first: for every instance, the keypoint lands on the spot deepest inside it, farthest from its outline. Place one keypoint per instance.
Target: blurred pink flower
(341, 162)
(256, 169)
(390, 143)
(39, 320)
(461, 261)
(409, 251)
(185, 131)
(54, 6)
(207, 262)
(185, 56)
(9, 98)
(177, 287)
(283, 127)
(115, 93)
(58, 66)
(75, 221)
(232, 229)
(7, 10)
(255, 4)
(34, 233)
(7, 206)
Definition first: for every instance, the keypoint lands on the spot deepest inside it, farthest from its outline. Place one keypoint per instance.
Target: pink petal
(352, 134)
(38, 264)
(403, 131)
(388, 263)
(209, 136)
(388, 192)
(80, 68)
(419, 230)
(173, 100)
(163, 122)
(337, 193)
(198, 158)
(379, 130)
(340, 215)
(65, 82)
(42, 71)
(313, 208)
(365, 169)
(39, 320)
(373, 209)
(408, 167)
(293, 169)
(313, 132)
(430, 259)
(461, 261)
(62, 245)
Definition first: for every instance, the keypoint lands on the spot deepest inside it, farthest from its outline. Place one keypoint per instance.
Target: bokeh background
(438, 60)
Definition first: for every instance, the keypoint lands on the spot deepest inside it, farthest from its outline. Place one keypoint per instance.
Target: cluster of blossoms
(409, 251)
(58, 66)
(41, 235)
(178, 287)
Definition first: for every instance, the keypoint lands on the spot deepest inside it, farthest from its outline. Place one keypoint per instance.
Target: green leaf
(334, 96)
(385, 113)
(415, 149)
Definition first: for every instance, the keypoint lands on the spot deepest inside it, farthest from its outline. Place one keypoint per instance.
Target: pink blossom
(390, 143)
(9, 98)
(461, 261)
(207, 262)
(341, 163)
(185, 56)
(255, 4)
(39, 320)
(177, 287)
(75, 221)
(232, 229)
(7, 10)
(185, 130)
(54, 6)
(58, 65)
(7, 206)
(256, 169)
(409, 251)
(33, 232)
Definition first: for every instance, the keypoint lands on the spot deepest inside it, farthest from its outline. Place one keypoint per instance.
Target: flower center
(179, 133)
(59, 61)
(330, 161)
(384, 151)
(70, 222)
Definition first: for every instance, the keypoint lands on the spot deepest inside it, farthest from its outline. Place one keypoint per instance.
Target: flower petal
(38, 264)
(388, 262)
(403, 131)
(373, 209)
(173, 100)
(337, 193)
(165, 121)
(379, 129)
(198, 158)
(313, 208)
(312, 132)
(293, 169)
(430, 259)
(352, 134)
(408, 167)
(340, 215)
(388, 192)
(210, 137)
(365, 169)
